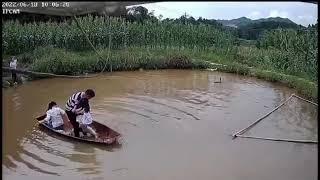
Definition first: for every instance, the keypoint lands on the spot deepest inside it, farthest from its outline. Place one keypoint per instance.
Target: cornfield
(297, 50)
(289, 51)
(18, 38)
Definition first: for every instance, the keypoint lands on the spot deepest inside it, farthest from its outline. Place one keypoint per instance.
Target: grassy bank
(286, 51)
(305, 87)
(283, 55)
(61, 61)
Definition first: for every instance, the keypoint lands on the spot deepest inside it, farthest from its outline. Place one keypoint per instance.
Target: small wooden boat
(106, 135)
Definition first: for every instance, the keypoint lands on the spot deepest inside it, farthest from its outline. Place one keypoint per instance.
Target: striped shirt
(73, 100)
(82, 106)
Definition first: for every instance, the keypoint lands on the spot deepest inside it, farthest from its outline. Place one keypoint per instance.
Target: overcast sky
(298, 12)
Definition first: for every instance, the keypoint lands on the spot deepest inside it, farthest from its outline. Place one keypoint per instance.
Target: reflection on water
(176, 124)
(45, 149)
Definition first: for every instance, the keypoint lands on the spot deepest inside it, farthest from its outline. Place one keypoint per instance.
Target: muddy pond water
(176, 125)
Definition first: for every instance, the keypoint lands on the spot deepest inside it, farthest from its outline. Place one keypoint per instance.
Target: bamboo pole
(41, 74)
(263, 117)
(305, 100)
(275, 139)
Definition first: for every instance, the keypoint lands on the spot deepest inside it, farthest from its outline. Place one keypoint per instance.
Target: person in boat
(71, 106)
(84, 117)
(55, 116)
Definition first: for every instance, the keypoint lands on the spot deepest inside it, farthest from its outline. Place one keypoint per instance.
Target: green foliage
(18, 38)
(292, 51)
(59, 61)
(303, 86)
(254, 30)
(62, 49)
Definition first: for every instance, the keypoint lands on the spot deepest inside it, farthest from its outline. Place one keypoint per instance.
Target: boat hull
(106, 135)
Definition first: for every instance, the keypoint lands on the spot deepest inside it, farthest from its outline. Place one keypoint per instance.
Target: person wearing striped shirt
(71, 107)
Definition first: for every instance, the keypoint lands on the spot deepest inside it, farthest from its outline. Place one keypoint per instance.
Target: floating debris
(218, 81)
(120, 169)
(212, 69)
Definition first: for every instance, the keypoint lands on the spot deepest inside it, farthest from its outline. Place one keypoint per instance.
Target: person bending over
(71, 105)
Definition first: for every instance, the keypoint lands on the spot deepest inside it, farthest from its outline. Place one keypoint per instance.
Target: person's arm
(46, 119)
(62, 112)
(79, 110)
(74, 109)
(82, 107)
(65, 118)
(86, 106)
(63, 115)
(75, 106)
(11, 64)
(76, 102)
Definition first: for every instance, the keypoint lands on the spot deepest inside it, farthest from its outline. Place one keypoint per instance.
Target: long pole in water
(274, 139)
(305, 100)
(263, 117)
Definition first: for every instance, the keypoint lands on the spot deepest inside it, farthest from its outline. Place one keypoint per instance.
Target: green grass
(285, 56)
(306, 88)
(61, 61)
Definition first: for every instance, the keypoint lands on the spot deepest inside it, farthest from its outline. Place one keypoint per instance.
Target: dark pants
(59, 127)
(14, 77)
(72, 117)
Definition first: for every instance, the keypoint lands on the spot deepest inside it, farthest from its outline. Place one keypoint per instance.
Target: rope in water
(274, 139)
(239, 133)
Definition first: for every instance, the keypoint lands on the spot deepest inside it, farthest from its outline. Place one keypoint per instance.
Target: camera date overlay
(16, 7)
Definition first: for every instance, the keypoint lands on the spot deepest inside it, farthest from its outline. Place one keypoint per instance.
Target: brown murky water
(176, 124)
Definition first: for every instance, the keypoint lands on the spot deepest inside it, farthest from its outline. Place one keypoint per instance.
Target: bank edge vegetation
(283, 55)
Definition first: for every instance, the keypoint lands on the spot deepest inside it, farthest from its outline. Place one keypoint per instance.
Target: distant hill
(243, 21)
(274, 19)
(235, 22)
(246, 28)
(254, 30)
